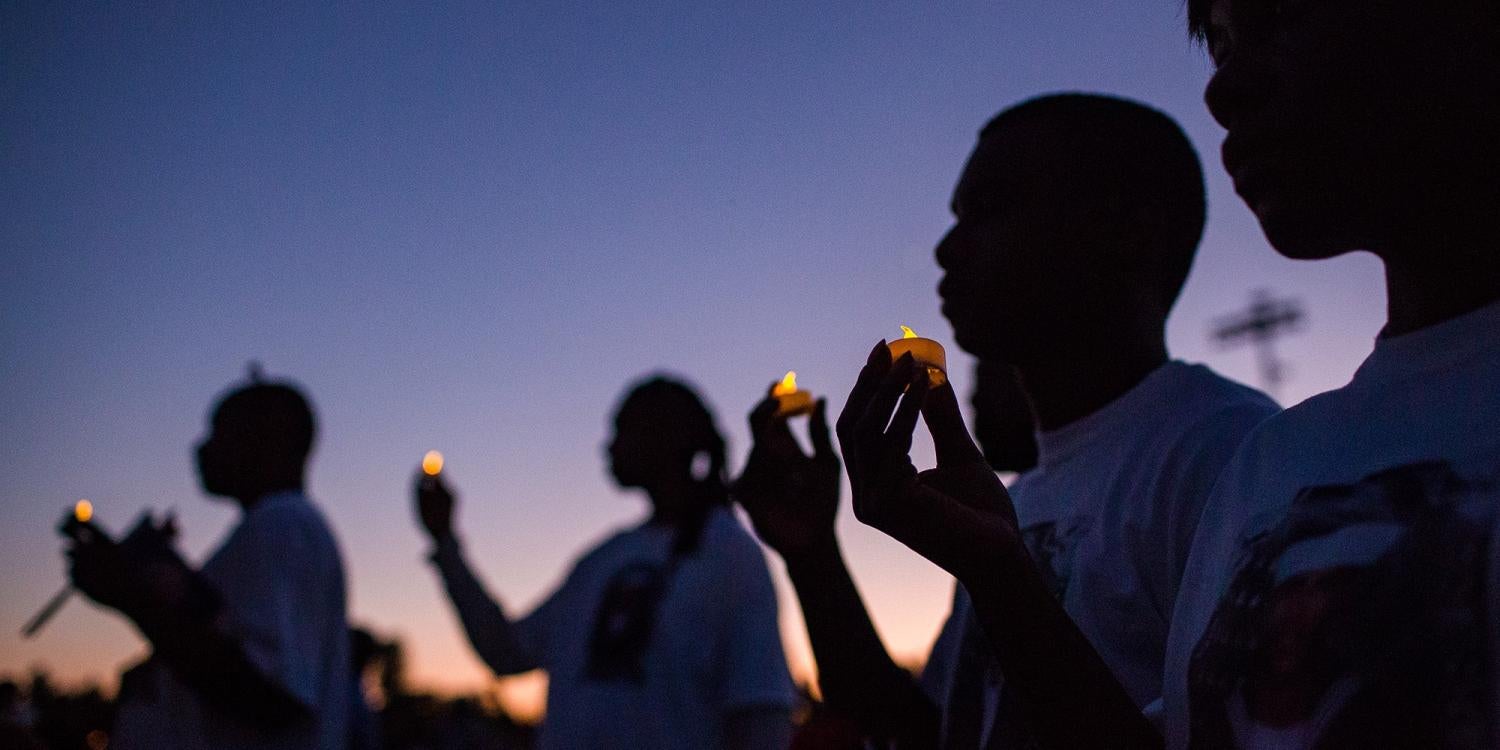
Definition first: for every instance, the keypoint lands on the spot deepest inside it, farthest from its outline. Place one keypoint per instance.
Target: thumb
(950, 437)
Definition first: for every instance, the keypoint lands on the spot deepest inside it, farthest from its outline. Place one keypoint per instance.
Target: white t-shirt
(711, 647)
(1108, 514)
(282, 584)
(1342, 587)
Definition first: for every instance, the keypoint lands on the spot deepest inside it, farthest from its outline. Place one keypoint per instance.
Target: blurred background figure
(665, 634)
(251, 650)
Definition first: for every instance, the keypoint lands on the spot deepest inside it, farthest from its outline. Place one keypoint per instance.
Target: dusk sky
(468, 225)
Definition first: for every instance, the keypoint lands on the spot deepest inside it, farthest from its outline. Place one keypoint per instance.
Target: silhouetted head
(1077, 218)
(258, 442)
(1003, 423)
(665, 437)
(1357, 124)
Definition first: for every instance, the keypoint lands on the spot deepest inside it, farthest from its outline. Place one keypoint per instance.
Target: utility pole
(1267, 319)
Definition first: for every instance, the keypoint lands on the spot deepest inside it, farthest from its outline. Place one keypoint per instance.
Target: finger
(883, 403)
(817, 429)
(877, 364)
(905, 421)
(770, 430)
(761, 415)
(950, 437)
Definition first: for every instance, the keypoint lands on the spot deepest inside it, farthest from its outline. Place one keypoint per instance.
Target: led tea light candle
(432, 463)
(791, 401)
(925, 352)
(83, 510)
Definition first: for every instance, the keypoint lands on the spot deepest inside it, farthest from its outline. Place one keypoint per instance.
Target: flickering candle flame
(432, 463)
(791, 401)
(924, 351)
(83, 510)
(787, 385)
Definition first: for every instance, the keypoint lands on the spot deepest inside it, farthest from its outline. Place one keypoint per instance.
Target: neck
(671, 499)
(1426, 289)
(249, 497)
(1065, 390)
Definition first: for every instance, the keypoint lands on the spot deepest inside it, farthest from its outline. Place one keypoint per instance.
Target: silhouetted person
(1344, 593)
(663, 636)
(15, 723)
(364, 722)
(251, 650)
(1077, 219)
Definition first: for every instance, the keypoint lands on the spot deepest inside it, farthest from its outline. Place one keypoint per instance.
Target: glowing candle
(432, 463)
(791, 401)
(925, 352)
(83, 510)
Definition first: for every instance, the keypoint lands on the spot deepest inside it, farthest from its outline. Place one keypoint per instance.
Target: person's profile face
(1340, 112)
(1017, 260)
(221, 457)
(640, 451)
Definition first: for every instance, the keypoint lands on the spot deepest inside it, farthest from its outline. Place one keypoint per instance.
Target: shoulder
(287, 529)
(729, 539)
(1214, 412)
(1199, 389)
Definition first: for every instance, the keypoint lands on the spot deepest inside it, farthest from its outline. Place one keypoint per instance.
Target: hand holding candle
(790, 400)
(925, 352)
(77, 526)
(432, 463)
(434, 499)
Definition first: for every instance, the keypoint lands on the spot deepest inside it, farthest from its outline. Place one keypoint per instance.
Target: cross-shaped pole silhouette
(1267, 319)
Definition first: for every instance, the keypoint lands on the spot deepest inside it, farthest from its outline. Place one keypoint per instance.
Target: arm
(180, 614)
(959, 517)
(792, 500)
(496, 639)
(499, 641)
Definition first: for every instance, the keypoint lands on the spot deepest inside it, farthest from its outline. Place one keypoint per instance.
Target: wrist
(814, 557)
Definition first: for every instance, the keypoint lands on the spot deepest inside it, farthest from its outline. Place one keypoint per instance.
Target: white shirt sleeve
(507, 647)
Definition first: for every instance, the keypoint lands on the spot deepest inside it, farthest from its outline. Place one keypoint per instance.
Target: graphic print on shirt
(1053, 546)
(1356, 622)
(623, 624)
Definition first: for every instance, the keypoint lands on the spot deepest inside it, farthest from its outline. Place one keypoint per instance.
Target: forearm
(1069, 694)
(214, 665)
(856, 673)
(493, 635)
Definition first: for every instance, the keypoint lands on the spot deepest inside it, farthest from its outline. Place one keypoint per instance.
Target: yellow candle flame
(432, 463)
(83, 510)
(787, 385)
(907, 333)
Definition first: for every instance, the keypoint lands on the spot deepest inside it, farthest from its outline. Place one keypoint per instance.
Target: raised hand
(957, 515)
(792, 498)
(103, 572)
(434, 506)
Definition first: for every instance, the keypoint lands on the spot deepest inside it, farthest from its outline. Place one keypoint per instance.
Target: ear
(701, 467)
